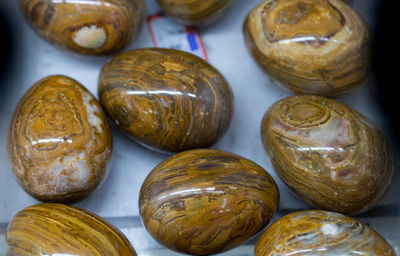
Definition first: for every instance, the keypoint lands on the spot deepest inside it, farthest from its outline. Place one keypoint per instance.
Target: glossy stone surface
(321, 233)
(168, 100)
(327, 153)
(204, 201)
(94, 27)
(55, 229)
(309, 46)
(59, 141)
(195, 12)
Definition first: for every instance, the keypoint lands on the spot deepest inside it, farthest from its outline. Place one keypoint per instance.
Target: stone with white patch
(90, 37)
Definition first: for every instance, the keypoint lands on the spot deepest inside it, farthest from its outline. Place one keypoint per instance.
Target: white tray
(117, 199)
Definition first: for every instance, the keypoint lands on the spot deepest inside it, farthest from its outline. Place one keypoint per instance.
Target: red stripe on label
(151, 18)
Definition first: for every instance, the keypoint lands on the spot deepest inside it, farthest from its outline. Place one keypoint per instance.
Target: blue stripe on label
(192, 41)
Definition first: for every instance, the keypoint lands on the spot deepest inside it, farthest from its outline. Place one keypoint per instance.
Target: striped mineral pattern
(327, 153)
(309, 46)
(59, 141)
(55, 229)
(93, 27)
(205, 201)
(195, 12)
(314, 233)
(166, 99)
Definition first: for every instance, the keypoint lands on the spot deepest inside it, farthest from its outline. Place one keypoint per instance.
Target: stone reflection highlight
(165, 99)
(59, 142)
(60, 230)
(90, 27)
(205, 201)
(317, 47)
(327, 153)
(322, 233)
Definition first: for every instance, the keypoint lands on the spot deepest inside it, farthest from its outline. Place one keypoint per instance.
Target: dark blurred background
(7, 38)
(4, 32)
(385, 68)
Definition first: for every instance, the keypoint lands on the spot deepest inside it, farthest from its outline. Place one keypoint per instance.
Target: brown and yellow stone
(94, 27)
(166, 99)
(59, 141)
(327, 153)
(321, 233)
(309, 46)
(55, 229)
(205, 201)
(195, 12)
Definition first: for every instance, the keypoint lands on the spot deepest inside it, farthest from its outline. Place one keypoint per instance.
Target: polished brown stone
(205, 201)
(327, 153)
(59, 141)
(321, 233)
(94, 27)
(195, 12)
(166, 99)
(309, 46)
(55, 229)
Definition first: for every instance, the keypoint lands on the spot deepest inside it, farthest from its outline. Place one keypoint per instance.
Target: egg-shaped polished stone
(59, 141)
(55, 229)
(327, 153)
(205, 201)
(309, 46)
(195, 12)
(321, 233)
(94, 27)
(166, 99)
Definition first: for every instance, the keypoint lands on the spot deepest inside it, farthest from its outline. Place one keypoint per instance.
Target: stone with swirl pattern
(59, 141)
(309, 46)
(195, 12)
(93, 27)
(55, 229)
(327, 153)
(166, 99)
(321, 233)
(205, 201)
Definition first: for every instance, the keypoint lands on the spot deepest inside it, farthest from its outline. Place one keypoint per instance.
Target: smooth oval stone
(321, 233)
(309, 46)
(94, 27)
(55, 229)
(205, 201)
(166, 99)
(195, 12)
(59, 142)
(327, 153)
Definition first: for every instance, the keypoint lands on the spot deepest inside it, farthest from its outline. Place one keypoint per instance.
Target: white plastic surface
(117, 199)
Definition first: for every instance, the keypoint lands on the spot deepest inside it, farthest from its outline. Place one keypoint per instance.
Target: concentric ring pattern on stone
(321, 233)
(327, 153)
(60, 143)
(309, 46)
(166, 99)
(55, 229)
(203, 201)
(94, 27)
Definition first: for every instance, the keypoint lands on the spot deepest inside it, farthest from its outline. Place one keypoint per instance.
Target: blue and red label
(166, 33)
